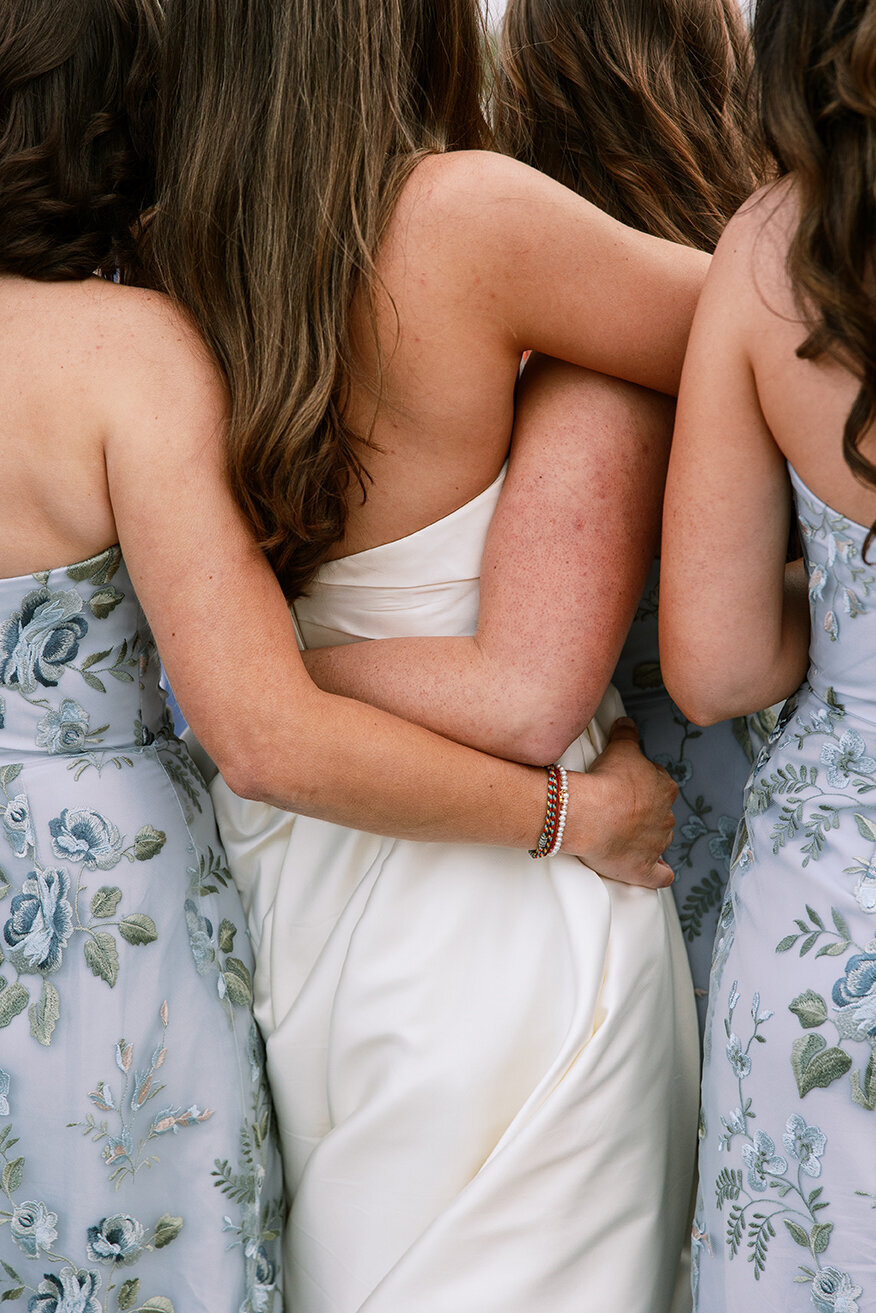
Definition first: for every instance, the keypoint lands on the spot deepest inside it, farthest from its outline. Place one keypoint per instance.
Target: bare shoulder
(754, 246)
(475, 189)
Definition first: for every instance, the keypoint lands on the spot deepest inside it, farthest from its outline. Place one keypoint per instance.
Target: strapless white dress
(484, 1067)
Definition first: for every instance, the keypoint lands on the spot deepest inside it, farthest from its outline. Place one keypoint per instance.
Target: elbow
(539, 734)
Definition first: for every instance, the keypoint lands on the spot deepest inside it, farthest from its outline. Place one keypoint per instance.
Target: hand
(620, 813)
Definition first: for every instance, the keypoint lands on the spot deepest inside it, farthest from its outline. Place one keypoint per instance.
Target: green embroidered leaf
(9, 773)
(814, 917)
(728, 1185)
(157, 1304)
(647, 675)
(815, 1066)
(13, 1175)
(788, 942)
(13, 1000)
(105, 901)
(797, 1234)
(4, 887)
(104, 602)
(98, 569)
(864, 1089)
(148, 843)
(93, 682)
(227, 931)
(95, 658)
(10, 1271)
(832, 950)
(698, 903)
(735, 1228)
(841, 924)
(810, 1008)
(138, 928)
(167, 1228)
(128, 1294)
(866, 828)
(12, 1294)
(808, 943)
(44, 1014)
(102, 956)
(819, 1236)
(238, 982)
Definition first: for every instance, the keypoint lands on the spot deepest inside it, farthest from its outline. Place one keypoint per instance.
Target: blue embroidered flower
(846, 757)
(761, 1160)
(805, 1144)
(261, 1277)
(86, 836)
(171, 1119)
(72, 1292)
(200, 937)
(734, 1124)
(33, 1227)
(855, 997)
(117, 1239)
(64, 730)
(817, 580)
(738, 1059)
(694, 828)
(833, 1292)
(37, 642)
(4, 1092)
(822, 720)
(865, 889)
(18, 827)
(41, 922)
(680, 771)
(721, 845)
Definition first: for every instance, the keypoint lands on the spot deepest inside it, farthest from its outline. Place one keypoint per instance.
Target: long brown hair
(816, 80)
(639, 105)
(77, 123)
(287, 132)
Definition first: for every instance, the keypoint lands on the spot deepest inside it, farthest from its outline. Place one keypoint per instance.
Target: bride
(484, 1065)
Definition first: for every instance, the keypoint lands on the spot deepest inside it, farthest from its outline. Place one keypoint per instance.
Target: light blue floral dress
(785, 1220)
(710, 767)
(137, 1163)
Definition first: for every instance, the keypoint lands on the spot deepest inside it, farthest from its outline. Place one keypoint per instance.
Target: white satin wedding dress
(484, 1067)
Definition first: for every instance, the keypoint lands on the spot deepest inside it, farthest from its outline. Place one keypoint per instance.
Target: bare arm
(225, 635)
(568, 551)
(734, 621)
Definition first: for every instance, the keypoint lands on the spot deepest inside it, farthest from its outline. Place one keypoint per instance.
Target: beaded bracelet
(551, 838)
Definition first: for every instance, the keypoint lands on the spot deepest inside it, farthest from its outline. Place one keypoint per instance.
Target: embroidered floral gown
(788, 1135)
(710, 767)
(137, 1163)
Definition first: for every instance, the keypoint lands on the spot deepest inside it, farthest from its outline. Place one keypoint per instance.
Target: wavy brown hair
(816, 82)
(77, 109)
(287, 132)
(639, 105)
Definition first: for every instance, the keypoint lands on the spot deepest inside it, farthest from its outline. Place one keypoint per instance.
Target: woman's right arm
(225, 635)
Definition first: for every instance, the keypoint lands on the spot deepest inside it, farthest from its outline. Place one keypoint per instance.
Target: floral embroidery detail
(37, 642)
(85, 836)
(833, 1292)
(71, 1292)
(5, 1080)
(845, 759)
(41, 922)
(855, 996)
(762, 1161)
(65, 730)
(33, 1228)
(119, 1239)
(18, 827)
(805, 1144)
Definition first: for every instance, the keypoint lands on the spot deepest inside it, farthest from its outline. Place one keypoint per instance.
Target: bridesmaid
(776, 417)
(639, 105)
(138, 1169)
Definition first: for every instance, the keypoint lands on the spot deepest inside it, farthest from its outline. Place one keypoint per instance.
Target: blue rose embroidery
(18, 827)
(41, 922)
(71, 1292)
(117, 1239)
(855, 997)
(833, 1292)
(85, 836)
(64, 730)
(33, 1228)
(261, 1277)
(37, 642)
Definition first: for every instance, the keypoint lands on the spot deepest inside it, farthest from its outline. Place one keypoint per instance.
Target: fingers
(623, 729)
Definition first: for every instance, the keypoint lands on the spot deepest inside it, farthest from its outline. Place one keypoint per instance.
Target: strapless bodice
(426, 583)
(78, 667)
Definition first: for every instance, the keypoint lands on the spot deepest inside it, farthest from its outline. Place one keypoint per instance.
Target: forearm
(570, 544)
